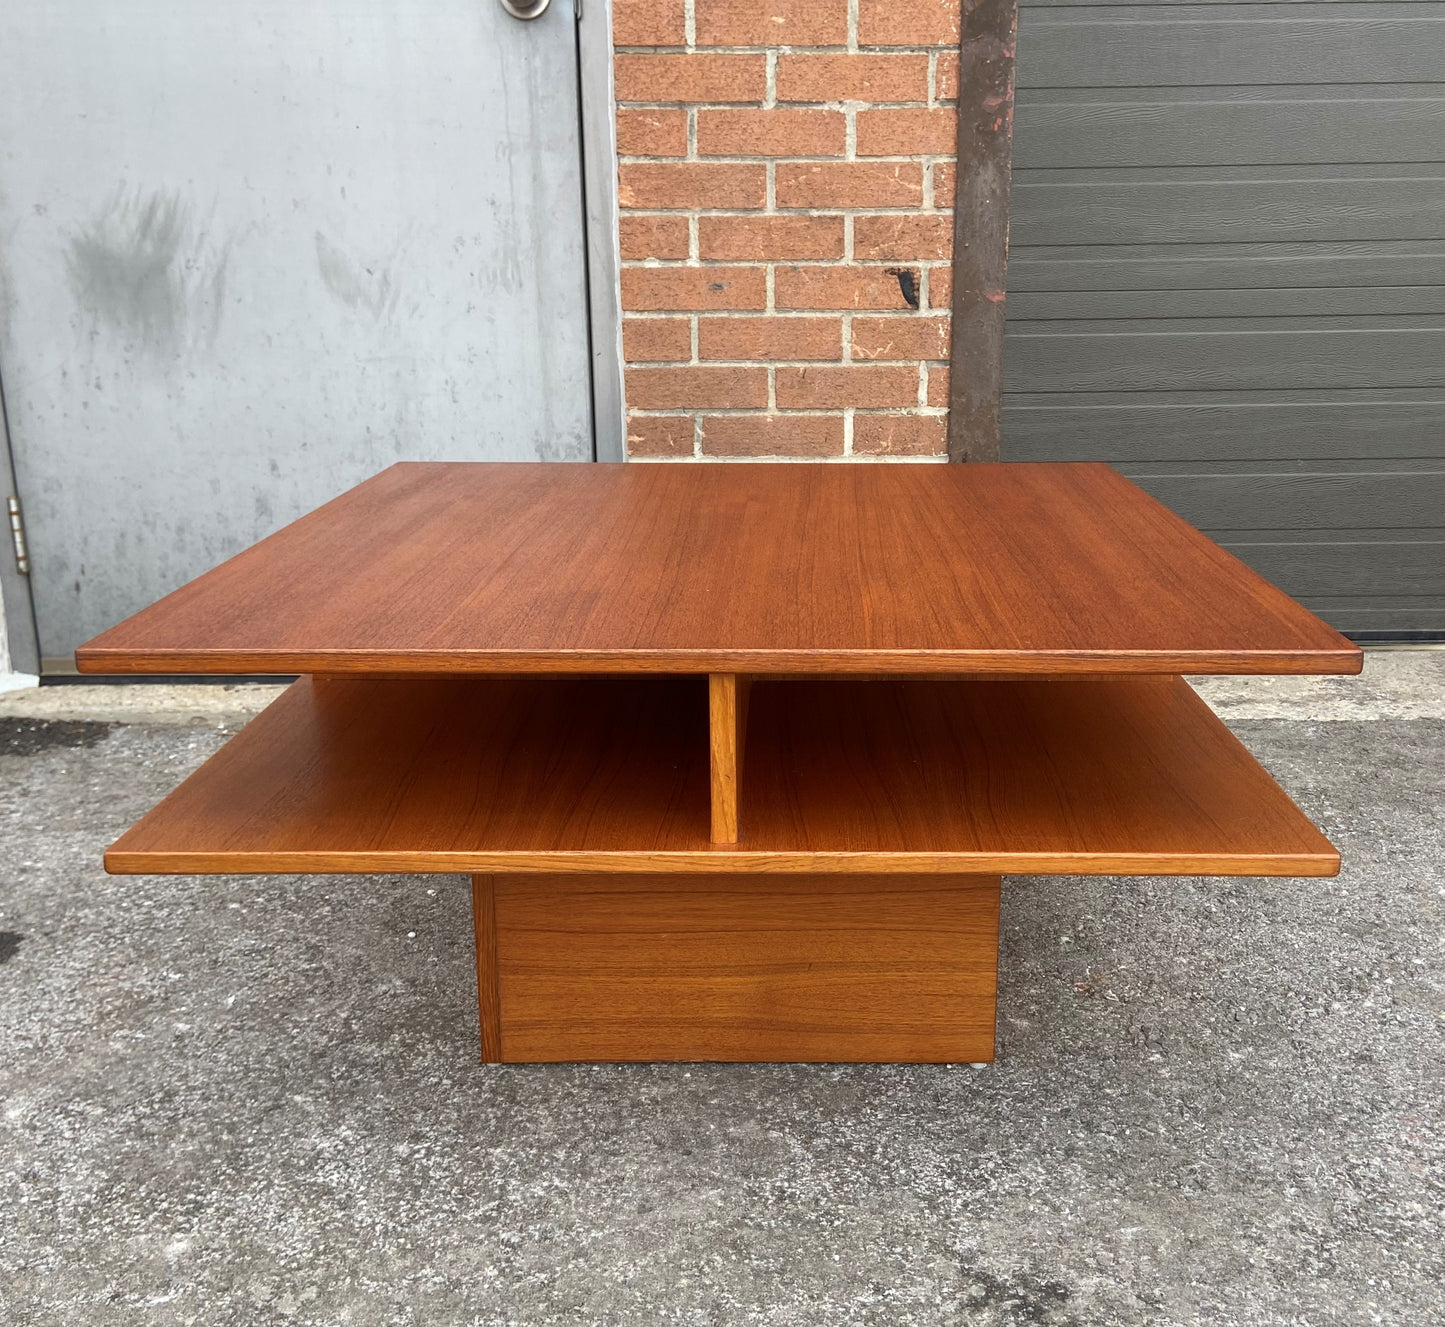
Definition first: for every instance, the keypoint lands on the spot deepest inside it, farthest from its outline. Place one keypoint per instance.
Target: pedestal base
(737, 967)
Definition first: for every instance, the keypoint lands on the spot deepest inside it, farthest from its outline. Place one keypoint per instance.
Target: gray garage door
(1228, 280)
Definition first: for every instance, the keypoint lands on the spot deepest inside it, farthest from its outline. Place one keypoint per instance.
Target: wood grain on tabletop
(479, 774)
(458, 567)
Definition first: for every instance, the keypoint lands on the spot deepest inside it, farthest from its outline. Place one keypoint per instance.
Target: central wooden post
(727, 703)
(883, 968)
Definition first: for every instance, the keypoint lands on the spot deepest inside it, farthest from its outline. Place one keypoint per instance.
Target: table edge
(719, 861)
(1347, 660)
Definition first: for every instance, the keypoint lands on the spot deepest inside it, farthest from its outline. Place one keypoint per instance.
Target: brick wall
(786, 178)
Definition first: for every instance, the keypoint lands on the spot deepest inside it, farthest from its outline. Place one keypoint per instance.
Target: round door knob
(526, 8)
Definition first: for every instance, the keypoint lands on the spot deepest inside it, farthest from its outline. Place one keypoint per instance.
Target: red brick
(652, 237)
(945, 82)
(842, 385)
(649, 23)
(770, 338)
(657, 78)
(938, 385)
(913, 131)
(770, 237)
(645, 289)
(876, 78)
(900, 338)
(915, 23)
(691, 184)
(940, 287)
(652, 133)
(771, 22)
(837, 288)
(903, 238)
(651, 340)
(848, 183)
(945, 182)
(772, 435)
(659, 435)
(696, 389)
(900, 435)
(771, 133)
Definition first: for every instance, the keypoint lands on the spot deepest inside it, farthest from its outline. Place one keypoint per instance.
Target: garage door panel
(1320, 301)
(1227, 278)
(1186, 9)
(1301, 501)
(1364, 620)
(1116, 357)
(1279, 269)
(1189, 207)
(1227, 126)
(1108, 46)
(1350, 569)
(1223, 427)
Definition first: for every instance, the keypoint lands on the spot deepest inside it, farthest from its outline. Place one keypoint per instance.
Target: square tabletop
(864, 568)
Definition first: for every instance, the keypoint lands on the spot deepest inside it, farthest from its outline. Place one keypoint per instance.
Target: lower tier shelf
(508, 775)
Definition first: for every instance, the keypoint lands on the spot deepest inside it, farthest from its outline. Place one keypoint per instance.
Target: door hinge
(17, 534)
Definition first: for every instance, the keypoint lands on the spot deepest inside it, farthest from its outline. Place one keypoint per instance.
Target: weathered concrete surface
(201, 704)
(257, 1100)
(1396, 684)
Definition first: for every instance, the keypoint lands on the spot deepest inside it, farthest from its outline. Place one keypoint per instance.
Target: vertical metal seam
(17, 597)
(601, 240)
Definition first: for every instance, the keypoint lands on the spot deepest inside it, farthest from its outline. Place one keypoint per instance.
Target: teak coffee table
(736, 754)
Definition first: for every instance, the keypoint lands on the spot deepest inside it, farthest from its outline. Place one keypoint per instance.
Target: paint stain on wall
(146, 270)
(363, 284)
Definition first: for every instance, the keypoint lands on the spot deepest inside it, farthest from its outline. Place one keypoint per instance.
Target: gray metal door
(1228, 279)
(256, 251)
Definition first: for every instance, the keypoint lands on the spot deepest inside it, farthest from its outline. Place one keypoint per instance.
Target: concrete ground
(256, 1100)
